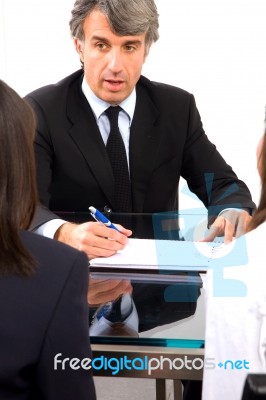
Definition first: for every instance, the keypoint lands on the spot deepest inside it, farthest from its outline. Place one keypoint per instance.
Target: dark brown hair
(18, 192)
(260, 214)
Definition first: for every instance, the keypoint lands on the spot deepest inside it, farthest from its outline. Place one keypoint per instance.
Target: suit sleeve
(44, 155)
(44, 152)
(207, 173)
(68, 335)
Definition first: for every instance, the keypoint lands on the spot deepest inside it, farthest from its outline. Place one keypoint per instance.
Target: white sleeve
(49, 228)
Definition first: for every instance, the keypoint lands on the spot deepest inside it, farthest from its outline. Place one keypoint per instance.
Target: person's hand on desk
(231, 223)
(97, 240)
(93, 238)
(102, 291)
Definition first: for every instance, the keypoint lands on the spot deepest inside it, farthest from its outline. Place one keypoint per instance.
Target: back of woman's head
(260, 214)
(18, 194)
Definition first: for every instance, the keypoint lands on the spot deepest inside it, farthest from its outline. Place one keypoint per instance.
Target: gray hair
(126, 17)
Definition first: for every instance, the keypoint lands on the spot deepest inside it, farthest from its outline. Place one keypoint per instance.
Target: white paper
(161, 254)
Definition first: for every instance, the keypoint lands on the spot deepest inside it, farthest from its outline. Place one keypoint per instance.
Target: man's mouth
(114, 84)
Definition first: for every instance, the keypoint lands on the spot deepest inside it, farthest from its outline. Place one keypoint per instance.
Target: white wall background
(215, 49)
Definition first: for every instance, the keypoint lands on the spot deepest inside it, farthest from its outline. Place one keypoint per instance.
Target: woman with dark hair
(43, 283)
(260, 214)
(236, 325)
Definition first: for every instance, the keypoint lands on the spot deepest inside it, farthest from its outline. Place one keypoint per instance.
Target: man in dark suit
(161, 130)
(160, 126)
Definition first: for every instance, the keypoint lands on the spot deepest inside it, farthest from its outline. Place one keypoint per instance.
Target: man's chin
(115, 98)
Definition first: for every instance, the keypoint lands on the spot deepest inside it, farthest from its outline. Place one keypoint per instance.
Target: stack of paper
(161, 255)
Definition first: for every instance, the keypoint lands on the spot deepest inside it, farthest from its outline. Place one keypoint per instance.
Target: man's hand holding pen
(104, 291)
(94, 239)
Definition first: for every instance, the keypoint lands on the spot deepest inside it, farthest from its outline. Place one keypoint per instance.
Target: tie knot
(112, 113)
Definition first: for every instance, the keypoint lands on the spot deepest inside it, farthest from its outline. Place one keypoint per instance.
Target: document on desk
(160, 256)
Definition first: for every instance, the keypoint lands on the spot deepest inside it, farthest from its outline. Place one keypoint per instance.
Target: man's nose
(115, 61)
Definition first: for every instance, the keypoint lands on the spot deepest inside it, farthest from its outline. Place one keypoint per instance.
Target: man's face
(112, 64)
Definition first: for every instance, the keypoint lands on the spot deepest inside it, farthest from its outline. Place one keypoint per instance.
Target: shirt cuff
(49, 228)
(248, 210)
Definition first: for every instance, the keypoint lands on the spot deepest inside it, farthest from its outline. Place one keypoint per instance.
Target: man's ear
(79, 45)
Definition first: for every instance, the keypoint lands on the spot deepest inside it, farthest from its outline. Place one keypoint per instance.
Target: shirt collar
(99, 106)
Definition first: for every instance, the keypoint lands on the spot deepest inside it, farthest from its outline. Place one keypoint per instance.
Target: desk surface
(172, 351)
(170, 307)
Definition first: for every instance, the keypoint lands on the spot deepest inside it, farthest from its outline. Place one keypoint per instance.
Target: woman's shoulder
(50, 252)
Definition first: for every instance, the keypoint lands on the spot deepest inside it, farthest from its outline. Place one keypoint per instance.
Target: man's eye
(130, 48)
(101, 46)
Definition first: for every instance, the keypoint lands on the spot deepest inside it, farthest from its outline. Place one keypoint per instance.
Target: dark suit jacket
(40, 317)
(166, 141)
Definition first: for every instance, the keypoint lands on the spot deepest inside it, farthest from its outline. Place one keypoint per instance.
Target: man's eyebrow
(100, 38)
(127, 42)
(132, 41)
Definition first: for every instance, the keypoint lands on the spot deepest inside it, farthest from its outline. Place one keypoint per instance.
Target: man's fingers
(242, 224)
(233, 223)
(216, 229)
(228, 232)
(93, 238)
(213, 233)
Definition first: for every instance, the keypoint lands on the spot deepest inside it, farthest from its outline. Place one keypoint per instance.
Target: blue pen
(98, 216)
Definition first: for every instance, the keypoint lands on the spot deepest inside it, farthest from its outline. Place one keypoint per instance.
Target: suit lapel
(144, 144)
(85, 133)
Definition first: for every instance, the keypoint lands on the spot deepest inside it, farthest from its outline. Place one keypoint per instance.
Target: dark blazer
(166, 141)
(40, 317)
